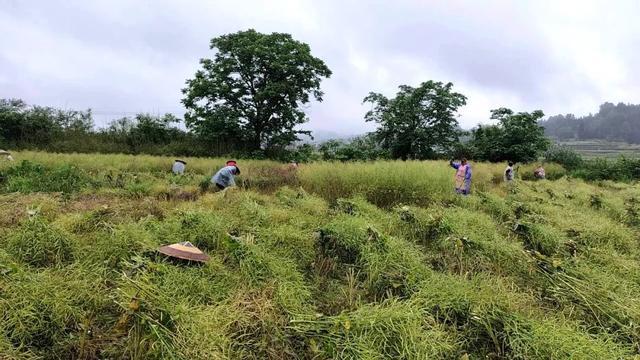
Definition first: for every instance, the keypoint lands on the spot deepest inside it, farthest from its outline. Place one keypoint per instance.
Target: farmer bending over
(225, 176)
(178, 167)
(539, 173)
(463, 176)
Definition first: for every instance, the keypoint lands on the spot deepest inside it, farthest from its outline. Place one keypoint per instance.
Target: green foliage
(391, 329)
(253, 89)
(389, 183)
(621, 169)
(30, 177)
(360, 148)
(418, 123)
(54, 314)
(564, 156)
(40, 244)
(147, 134)
(39, 126)
(35, 127)
(352, 260)
(517, 137)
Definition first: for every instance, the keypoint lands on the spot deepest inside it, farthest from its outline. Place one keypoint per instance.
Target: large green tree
(253, 89)
(418, 123)
(516, 137)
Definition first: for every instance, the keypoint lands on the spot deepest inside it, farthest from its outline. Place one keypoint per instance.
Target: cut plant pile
(378, 261)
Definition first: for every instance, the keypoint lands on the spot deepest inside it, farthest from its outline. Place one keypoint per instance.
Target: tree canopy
(516, 137)
(418, 123)
(253, 89)
(21, 124)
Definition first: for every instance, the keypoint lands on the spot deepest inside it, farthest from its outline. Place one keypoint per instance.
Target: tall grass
(387, 183)
(377, 260)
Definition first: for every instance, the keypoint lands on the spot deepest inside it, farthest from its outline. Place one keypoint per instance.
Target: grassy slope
(370, 261)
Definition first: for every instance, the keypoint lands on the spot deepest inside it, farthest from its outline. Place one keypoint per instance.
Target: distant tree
(253, 89)
(418, 123)
(37, 126)
(75, 122)
(619, 122)
(144, 131)
(516, 137)
(360, 148)
(12, 115)
(150, 129)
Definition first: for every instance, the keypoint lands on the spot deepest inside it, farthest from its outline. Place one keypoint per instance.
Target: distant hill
(619, 122)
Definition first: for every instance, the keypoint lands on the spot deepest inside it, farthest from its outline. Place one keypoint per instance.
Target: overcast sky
(120, 57)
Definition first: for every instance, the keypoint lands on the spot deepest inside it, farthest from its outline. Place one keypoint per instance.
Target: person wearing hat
(225, 177)
(6, 154)
(178, 167)
(539, 173)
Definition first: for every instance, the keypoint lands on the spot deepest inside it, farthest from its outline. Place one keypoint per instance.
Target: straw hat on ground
(184, 250)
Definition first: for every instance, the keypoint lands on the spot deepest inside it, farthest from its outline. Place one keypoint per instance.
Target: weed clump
(55, 314)
(99, 219)
(632, 211)
(206, 231)
(40, 244)
(542, 238)
(390, 330)
(423, 226)
(30, 177)
(595, 201)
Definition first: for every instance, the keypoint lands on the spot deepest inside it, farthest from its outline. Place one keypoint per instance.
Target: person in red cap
(225, 177)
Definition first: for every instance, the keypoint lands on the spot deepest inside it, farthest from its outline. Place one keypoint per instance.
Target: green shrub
(564, 156)
(31, 177)
(621, 169)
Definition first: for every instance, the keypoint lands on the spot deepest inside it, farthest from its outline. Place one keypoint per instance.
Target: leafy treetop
(418, 123)
(253, 89)
(516, 137)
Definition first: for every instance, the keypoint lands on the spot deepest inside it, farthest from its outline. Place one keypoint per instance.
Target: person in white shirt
(178, 167)
(508, 172)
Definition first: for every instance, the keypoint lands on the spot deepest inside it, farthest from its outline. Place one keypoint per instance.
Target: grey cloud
(127, 56)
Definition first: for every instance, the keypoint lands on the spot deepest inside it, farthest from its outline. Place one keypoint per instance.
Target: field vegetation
(371, 260)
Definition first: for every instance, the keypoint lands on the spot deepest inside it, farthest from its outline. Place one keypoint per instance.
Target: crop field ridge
(378, 260)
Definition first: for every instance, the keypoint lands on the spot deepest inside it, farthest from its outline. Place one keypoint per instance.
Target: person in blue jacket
(225, 177)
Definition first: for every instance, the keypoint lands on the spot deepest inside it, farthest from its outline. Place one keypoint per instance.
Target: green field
(373, 260)
(602, 148)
